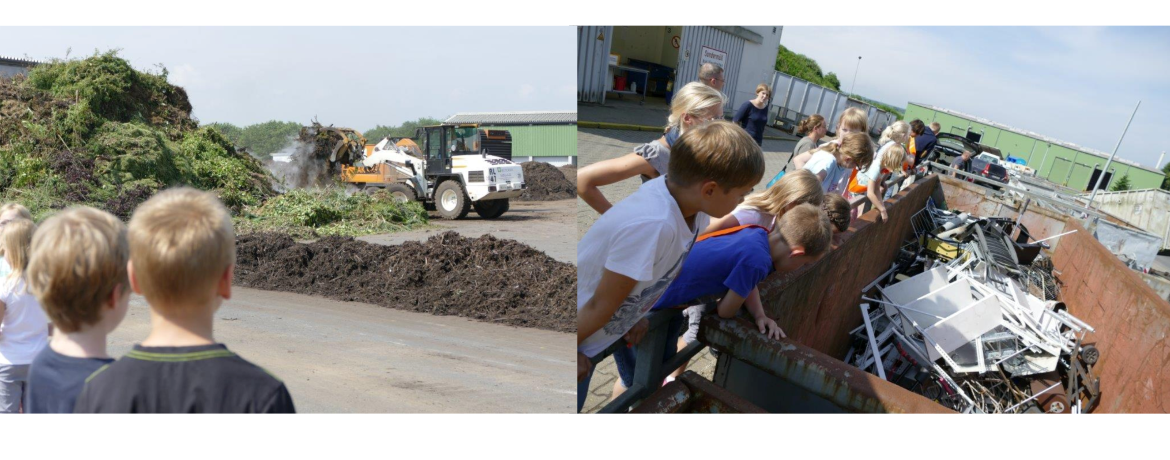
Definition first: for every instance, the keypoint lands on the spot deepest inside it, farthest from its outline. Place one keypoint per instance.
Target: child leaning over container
(24, 330)
(852, 120)
(890, 158)
(834, 162)
(762, 208)
(694, 105)
(78, 273)
(633, 251)
(725, 267)
(182, 252)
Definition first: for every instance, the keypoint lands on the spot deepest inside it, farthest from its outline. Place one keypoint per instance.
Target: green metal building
(1060, 162)
(549, 137)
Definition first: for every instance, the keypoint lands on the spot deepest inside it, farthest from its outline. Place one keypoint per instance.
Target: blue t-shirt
(738, 262)
(55, 380)
(753, 120)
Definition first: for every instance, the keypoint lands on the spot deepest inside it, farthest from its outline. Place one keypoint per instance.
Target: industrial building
(659, 58)
(1057, 161)
(549, 137)
(11, 66)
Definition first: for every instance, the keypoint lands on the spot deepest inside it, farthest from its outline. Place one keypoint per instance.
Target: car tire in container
(451, 200)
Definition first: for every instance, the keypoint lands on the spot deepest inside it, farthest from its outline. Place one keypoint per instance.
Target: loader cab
(441, 143)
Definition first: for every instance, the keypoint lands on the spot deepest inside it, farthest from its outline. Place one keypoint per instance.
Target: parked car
(987, 166)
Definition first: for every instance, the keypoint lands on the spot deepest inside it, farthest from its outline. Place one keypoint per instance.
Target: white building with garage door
(650, 60)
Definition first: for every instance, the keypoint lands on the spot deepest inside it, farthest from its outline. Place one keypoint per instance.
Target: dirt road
(548, 226)
(351, 357)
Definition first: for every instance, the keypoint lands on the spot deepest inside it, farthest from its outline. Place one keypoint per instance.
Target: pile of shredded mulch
(544, 182)
(486, 279)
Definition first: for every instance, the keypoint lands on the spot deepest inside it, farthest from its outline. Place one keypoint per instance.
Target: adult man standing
(711, 75)
(922, 141)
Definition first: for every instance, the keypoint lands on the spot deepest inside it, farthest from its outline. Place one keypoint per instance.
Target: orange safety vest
(728, 231)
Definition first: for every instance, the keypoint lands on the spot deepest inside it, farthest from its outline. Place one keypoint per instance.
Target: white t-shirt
(5, 269)
(749, 215)
(644, 237)
(24, 330)
(835, 175)
(875, 168)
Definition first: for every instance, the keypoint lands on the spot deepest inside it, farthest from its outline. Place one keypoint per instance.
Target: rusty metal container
(818, 306)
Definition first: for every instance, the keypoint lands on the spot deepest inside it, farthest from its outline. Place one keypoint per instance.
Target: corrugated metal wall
(592, 62)
(1147, 209)
(803, 99)
(694, 38)
(543, 140)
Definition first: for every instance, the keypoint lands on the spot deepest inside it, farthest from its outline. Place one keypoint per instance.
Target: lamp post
(1097, 186)
(855, 75)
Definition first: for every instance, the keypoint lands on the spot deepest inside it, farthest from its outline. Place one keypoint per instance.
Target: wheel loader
(450, 168)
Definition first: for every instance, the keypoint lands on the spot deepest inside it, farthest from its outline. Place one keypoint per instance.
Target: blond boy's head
(78, 266)
(801, 237)
(719, 158)
(182, 248)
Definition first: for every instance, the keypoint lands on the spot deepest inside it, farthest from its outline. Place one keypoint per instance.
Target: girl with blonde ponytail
(766, 207)
(694, 105)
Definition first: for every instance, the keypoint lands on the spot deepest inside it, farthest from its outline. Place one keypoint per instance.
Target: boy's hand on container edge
(583, 366)
(637, 332)
(770, 329)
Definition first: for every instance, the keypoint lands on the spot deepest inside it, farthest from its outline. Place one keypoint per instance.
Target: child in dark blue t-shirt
(78, 273)
(728, 264)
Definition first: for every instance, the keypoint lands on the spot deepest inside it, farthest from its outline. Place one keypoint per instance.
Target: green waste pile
(96, 131)
(318, 212)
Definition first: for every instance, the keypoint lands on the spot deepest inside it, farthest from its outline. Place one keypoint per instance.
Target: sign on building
(713, 56)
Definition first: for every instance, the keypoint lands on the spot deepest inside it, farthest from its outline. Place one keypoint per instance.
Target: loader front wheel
(491, 209)
(401, 193)
(451, 200)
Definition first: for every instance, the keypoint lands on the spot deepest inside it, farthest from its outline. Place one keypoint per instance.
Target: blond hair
(837, 210)
(856, 146)
(78, 258)
(14, 240)
(854, 119)
(766, 89)
(181, 243)
(694, 98)
(719, 151)
(795, 188)
(898, 131)
(894, 156)
(19, 208)
(808, 124)
(804, 226)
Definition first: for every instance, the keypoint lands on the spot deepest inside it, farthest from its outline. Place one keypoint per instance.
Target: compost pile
(570, 172)
(96, 131)
(544, 182)
(485, 278)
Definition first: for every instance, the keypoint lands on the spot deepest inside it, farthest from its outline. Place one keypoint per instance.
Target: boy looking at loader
(182, 252)
(636, 248)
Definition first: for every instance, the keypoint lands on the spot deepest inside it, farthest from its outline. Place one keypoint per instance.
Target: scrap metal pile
(969, 317)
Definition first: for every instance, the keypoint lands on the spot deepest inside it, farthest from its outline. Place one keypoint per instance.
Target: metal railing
(650, 369)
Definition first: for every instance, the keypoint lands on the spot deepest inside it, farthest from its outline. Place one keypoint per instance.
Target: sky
(1075, 84)
(356, 77)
